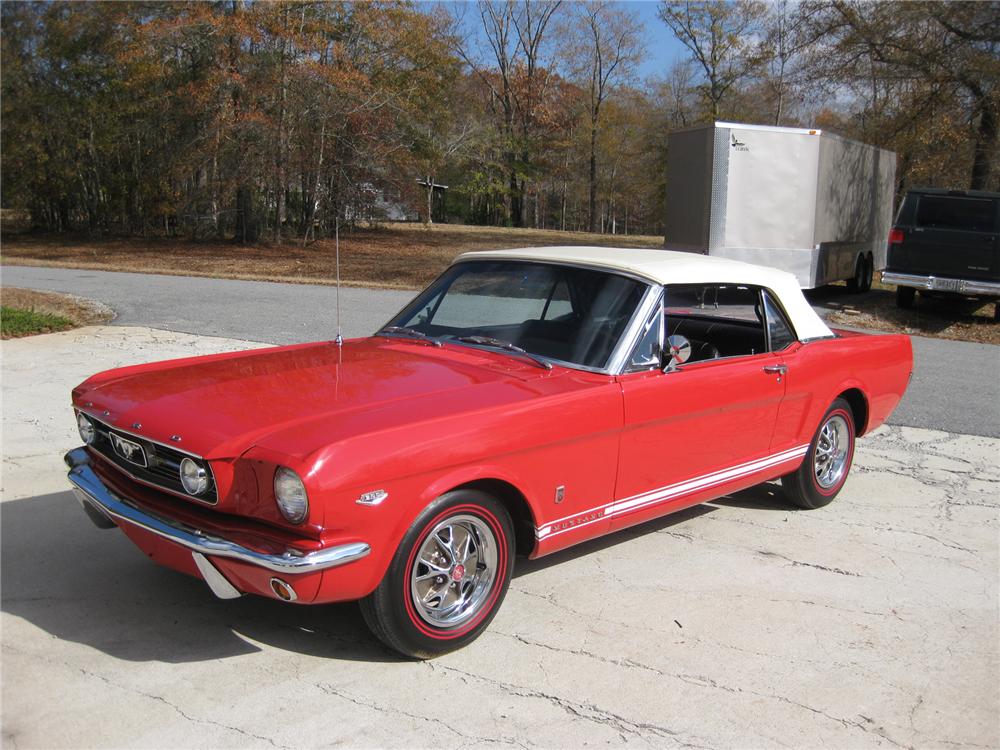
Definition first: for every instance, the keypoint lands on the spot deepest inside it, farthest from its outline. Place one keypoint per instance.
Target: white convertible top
(670, 267)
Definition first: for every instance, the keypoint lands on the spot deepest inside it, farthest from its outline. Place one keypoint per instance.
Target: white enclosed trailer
(811, 203)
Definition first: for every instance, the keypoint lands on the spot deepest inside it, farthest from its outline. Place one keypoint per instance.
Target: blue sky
(662, 47)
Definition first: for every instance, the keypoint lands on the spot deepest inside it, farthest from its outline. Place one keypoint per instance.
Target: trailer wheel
(905, 296)
(869, 273)
(856, 284)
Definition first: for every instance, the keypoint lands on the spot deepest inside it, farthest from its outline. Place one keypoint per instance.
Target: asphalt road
(955, 387)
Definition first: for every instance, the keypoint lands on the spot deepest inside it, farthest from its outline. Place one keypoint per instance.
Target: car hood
(289, 398)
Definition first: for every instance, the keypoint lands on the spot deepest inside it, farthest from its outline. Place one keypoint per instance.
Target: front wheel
(447, 579)
(827, 463)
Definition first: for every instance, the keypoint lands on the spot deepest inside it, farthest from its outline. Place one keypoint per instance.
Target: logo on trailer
(738, 145)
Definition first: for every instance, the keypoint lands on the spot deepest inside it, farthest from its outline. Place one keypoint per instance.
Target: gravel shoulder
(869, 623)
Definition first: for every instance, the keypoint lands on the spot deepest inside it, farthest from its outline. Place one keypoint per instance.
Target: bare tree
(785, 40)
(515, 32)
(722, 39)
(608, 44)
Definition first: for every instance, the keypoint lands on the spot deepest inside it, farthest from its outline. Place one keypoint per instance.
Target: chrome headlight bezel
(290, 495)
(193, 476)
(88, 433)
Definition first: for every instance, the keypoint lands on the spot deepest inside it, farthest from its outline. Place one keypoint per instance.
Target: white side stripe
(687, 487)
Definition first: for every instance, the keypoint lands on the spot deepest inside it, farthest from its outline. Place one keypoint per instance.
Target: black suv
(945, 242)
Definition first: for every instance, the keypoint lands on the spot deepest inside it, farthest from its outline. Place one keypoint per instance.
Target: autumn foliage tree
(277, 121)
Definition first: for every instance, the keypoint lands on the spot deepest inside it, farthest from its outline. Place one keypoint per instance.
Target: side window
(711, 321)
(954, 212)
(779, 332)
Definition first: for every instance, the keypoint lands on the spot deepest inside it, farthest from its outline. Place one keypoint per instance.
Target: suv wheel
(905, 296)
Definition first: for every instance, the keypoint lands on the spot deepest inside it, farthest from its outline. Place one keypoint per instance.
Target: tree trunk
(986, 144)
(593, 176)
(429, 219)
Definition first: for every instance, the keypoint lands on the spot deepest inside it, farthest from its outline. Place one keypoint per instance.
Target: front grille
(163, 463)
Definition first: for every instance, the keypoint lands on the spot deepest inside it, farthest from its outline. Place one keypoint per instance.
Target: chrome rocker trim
(95, 497)
(920, 281)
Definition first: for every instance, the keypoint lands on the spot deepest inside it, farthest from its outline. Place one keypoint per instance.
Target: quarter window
(779, 332)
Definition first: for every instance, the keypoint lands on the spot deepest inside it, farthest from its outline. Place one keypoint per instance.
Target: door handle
(775, 369)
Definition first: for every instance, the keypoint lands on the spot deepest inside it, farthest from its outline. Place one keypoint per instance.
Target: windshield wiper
(410, 332)
(506, 346)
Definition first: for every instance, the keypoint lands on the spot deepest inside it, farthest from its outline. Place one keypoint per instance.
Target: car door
(704, 426)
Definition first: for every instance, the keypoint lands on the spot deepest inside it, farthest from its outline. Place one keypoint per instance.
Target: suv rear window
(954, 212)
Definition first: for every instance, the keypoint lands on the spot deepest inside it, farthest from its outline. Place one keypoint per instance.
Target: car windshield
(564, 313)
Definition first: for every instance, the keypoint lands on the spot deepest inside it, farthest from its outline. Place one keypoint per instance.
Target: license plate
(128, 449)
(945, 285)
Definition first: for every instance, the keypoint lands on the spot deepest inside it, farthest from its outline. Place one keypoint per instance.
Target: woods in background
(275, 119)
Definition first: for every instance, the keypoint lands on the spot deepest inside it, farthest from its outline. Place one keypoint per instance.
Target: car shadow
(86, 585)
(92, 586)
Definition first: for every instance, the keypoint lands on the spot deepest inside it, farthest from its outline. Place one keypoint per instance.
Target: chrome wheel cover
(454, 570)
(833, 446)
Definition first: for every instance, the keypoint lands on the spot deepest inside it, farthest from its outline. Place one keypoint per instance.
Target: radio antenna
(336, 234)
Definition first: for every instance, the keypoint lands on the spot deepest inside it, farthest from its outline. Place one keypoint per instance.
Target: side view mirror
(676, 352)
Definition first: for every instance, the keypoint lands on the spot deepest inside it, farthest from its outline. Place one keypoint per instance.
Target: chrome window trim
(146, 482)
(619, 356)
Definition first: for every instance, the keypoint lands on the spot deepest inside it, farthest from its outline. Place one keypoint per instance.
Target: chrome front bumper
(106, 509)
(941, 284)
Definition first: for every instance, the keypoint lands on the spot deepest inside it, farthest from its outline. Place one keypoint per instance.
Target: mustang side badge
(375, 497)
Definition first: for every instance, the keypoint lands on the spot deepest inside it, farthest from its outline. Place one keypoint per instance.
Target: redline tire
(827, 463)
(456, 604)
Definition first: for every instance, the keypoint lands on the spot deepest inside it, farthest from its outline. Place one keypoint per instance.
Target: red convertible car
(526, 401)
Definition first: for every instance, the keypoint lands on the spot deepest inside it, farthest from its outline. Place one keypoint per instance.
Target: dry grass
(401, 256)
(943, 318)
(49, 311)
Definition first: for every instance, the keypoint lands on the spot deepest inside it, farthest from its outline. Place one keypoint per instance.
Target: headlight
(291, 495)
(194, 478)
(86, 428)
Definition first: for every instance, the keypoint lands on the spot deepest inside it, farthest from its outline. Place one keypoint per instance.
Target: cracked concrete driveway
(743, 623)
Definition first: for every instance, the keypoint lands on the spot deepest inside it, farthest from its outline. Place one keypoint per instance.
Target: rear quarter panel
(879, 366)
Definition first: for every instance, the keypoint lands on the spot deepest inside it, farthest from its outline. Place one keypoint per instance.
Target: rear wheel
(447, 578)
(905, 296)
(824, 471)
